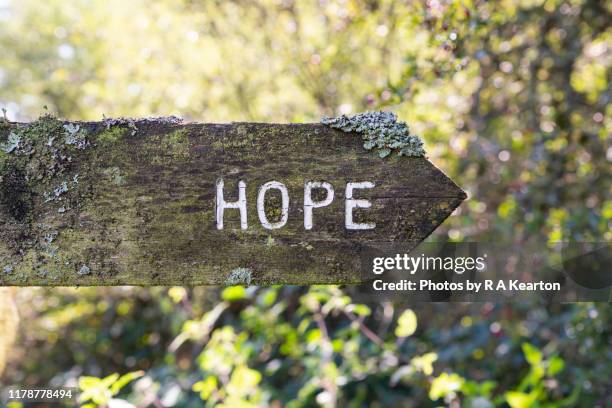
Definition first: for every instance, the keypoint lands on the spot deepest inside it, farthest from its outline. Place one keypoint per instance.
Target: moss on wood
(132, 202)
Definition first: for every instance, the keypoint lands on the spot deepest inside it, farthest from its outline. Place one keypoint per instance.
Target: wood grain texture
(142, 208)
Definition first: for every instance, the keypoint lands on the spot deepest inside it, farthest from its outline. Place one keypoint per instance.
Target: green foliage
(304, 347)
(96, 392)
(406, 324)
(444, 385)
(512, 100)
(233, 293)
(289, 350)
(532, 391)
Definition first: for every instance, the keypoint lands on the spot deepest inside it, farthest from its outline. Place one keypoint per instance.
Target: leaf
(86, 382)
(532, 354)
(555, 365)
(487, 387)
(177, 293)
(125, 380)
(445, 384)
(233, 293)
(424, 363)
(206, 387)
(107, 382)
(360, 310)
(269, 297)
(313, 336)
(406, 324)
(96, 389)
(244, 380)
(520, 400)
(91, 394)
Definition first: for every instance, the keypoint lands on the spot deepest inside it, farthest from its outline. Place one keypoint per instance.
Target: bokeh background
(512, 99)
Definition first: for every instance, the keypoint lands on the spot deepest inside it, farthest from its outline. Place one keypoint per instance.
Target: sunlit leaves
(243, 381)
(206, 387)
(224, 350)
(555, 365)
(99, 391)
(406, 324)
(233, 293)
(177, 294)
(509, 97)
(520, 399)
(359, 309)
(424, 363)
(532, 354)
(445, 384)
(532, 388)
(287, 63)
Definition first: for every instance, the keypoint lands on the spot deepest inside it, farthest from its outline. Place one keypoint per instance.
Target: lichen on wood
(12, 143)
(239, 276)
(38, 191)
(380, 131)
(132, 123)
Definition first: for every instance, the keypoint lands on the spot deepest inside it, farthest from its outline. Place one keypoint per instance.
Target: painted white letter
(261, 210)
(241, 204)
(353, 203)
(309, 204)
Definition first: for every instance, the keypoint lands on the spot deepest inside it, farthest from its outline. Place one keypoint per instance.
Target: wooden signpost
(157, 202)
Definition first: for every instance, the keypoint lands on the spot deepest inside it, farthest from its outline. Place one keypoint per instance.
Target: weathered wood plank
(132, 207)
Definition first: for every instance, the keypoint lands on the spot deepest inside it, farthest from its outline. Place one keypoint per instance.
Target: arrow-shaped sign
(156, 202)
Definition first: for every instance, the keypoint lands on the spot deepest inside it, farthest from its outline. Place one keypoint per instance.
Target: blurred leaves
(512, 100)
(406, 324)
(445, 384)
(233, 293)
(100, 391)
